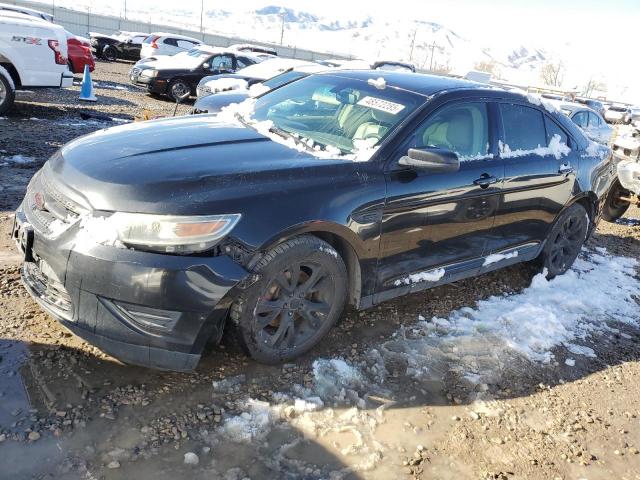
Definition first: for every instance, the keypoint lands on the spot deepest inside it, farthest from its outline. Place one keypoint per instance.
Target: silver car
(590, 121)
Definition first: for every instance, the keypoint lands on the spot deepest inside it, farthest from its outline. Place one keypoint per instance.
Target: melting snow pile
(17, 160)
(479, 343)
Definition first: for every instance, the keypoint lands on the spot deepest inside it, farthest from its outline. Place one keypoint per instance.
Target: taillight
(153, 42)
(55, 46)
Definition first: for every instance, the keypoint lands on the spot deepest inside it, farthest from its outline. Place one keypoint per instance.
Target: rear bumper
(143, 308)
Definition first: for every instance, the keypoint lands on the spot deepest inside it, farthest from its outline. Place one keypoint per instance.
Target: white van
(33, 54)
(160, 43)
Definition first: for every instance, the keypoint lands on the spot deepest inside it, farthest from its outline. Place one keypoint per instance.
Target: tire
(565, 240)
(110, 54)
(7, 94)
(277, 319)
(613, 208)
(177, 86)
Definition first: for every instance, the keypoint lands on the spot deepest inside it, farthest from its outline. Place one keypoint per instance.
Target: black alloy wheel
(565, 240)
(110, 54)
(299, 296)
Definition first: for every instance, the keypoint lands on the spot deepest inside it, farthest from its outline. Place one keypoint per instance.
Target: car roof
(574, 107)
(419, 83)
(174, 35)
(27, 11)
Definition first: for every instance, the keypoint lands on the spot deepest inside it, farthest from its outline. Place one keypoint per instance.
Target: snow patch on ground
(17, 160)
(426, 276)
(498, 257)
(480, 344)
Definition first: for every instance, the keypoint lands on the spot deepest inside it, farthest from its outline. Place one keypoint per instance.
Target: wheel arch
(12, 70)
(589, 201)
(343, 240)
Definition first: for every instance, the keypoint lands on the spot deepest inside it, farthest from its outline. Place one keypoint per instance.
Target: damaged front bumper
(149, 309)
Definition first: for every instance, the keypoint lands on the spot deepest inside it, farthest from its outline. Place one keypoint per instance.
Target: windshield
(335, 113)
(286, 77)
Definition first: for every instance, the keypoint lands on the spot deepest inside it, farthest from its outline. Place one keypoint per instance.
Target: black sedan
(339, 188)
(177, 76)
(123, 45)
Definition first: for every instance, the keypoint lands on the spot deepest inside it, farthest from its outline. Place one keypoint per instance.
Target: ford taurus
(340, 188)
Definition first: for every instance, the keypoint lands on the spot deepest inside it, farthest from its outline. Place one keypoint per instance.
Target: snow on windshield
(326, 116)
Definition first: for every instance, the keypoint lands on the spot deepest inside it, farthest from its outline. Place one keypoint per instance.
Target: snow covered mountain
(428, 45)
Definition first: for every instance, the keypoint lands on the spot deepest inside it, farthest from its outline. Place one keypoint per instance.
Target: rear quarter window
(170, 41)
(523, 127)
(554, 129)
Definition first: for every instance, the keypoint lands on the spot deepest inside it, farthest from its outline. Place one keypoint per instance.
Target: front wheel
(178, 90)
(110, 54)
(7, 94)
(565, 240)
(299, 296)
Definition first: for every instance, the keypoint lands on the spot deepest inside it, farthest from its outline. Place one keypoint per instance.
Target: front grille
(135, 72)
(48, 210)
(49, 291)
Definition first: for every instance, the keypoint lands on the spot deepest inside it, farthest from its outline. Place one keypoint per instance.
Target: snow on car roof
(273, 66)
(174, 35)
(414, 82)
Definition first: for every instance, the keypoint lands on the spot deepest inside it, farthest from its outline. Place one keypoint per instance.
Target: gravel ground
(82, 414)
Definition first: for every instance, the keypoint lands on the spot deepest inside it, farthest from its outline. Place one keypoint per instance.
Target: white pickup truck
(33, 54)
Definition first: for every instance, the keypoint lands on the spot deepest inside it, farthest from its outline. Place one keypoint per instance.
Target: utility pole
(202, 18)
(413, 42)
(125, 9)
(282, 15)
(433, 49)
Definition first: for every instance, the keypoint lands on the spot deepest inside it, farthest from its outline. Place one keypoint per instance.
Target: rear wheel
(110, 54)
(299, 296)
(7, 94)
(565, 240)
(614, 208)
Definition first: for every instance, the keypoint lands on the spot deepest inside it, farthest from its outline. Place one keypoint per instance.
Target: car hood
(166, 166)
(214, 103)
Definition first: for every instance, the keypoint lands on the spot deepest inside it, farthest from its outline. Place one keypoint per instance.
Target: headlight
(149, 73)
(161, 233)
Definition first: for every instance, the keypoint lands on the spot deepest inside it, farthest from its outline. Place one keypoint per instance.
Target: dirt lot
(396, 391)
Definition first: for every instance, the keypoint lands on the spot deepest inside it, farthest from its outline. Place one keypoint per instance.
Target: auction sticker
(382, 105)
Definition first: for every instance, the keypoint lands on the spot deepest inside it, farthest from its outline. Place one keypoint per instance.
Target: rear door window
(594, 120)
(523, 127)
(554, 129)
(186, 44)
(581, 119)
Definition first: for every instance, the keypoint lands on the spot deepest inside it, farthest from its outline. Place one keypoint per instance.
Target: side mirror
(432, 159)
(206, 65)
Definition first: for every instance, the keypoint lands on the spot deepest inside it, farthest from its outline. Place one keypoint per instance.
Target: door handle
(566, 169)
(485, 180)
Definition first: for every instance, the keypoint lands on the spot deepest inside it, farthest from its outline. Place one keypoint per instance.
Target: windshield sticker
(382, 105)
